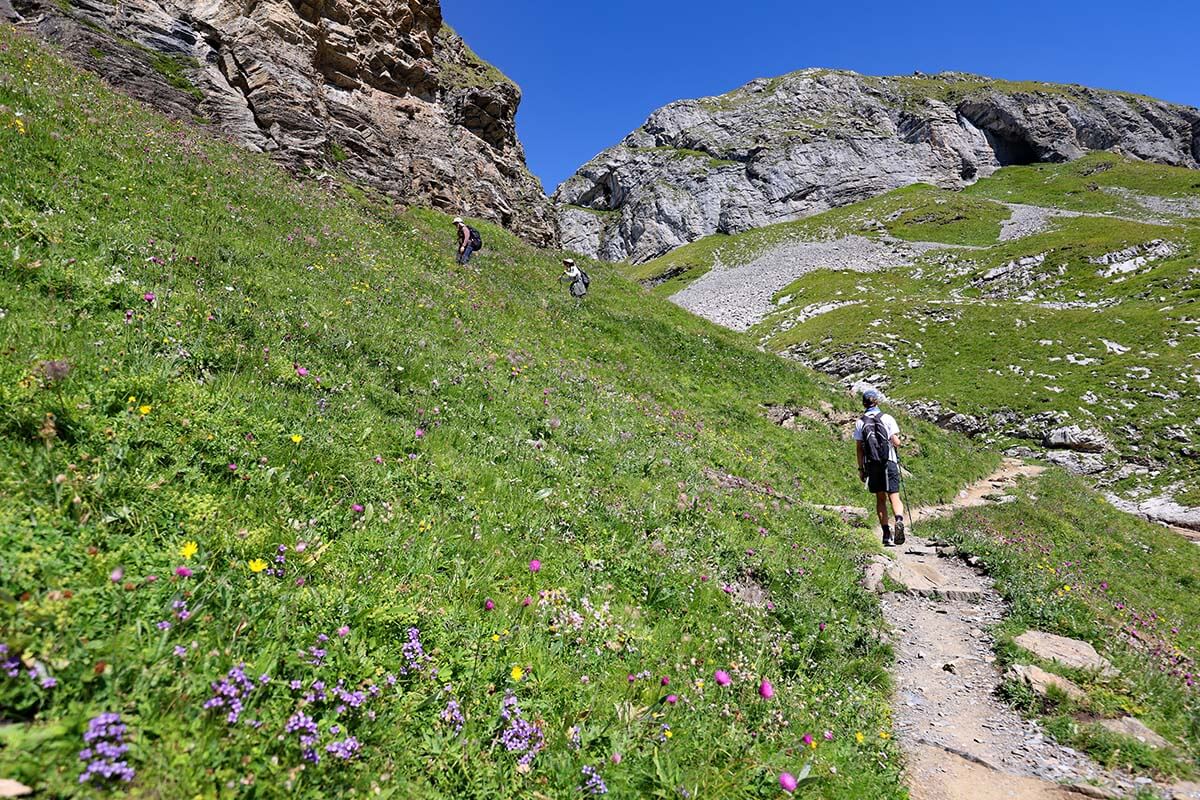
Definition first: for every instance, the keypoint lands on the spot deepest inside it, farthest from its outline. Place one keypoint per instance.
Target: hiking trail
(961, 740)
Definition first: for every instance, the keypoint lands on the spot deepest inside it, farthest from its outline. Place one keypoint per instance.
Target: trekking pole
(908, 509)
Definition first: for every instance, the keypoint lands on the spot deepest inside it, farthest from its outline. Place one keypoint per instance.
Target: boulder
(1040, 681)
(1135, 728)
(1068, 652)
(1073, 437)
(11, 788)
(1077, 463)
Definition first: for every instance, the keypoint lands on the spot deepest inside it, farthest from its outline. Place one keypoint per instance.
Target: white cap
(458, 220)
(570, 261)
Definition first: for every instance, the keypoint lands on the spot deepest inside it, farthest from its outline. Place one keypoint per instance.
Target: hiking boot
(887, 540)
(899, 539)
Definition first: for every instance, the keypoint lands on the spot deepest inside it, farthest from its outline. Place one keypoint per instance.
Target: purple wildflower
(104, 751)
(413, 653)
(593, 784)
(520, 735)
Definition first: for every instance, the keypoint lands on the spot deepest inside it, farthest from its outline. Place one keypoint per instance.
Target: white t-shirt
(889, 423)
(572, 272)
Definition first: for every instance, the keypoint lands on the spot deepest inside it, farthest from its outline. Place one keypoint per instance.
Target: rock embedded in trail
(1066, 651)
(784, 148)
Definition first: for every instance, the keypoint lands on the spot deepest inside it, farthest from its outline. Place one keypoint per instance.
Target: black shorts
(883, 477)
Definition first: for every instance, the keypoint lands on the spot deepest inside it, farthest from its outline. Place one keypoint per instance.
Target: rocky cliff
(384, 91)
(779, 149)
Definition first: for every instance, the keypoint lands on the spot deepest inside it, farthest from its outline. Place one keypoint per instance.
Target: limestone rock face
(780, 149)
(383, 91)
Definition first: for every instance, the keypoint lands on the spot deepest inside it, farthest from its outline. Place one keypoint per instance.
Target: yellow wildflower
(144, 410)
(257, 565)
(667, 733)
(297, 438)
(884, 735)
(495, 637)
(517, 673)
(858, 737)
(189, 549)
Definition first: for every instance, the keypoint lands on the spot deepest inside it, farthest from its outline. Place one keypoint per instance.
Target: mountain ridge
(778, 149)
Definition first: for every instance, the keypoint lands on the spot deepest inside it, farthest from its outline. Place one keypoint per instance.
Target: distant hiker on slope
(578, 278)
(876, 438)
(469, 241)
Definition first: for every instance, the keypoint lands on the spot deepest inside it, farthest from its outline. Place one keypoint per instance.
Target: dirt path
(961, 740)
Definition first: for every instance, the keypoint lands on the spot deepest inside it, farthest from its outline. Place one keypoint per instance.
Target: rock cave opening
(1011, 151)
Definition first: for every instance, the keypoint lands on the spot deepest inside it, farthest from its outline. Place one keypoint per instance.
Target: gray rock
(1073, 437)
(1041, 681)
(383, 92)
(11, 788)
(1077, 463)
(1066, 651)
(1128, 726)
(1162, 509)
(784, 148)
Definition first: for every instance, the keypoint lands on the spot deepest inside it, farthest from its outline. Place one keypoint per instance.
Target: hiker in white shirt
(876, 438)
(578, 278)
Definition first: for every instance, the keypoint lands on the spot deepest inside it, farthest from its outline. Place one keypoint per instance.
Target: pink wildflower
(765, 690)
(183, 572)
(343, 631)
(535, 566)
(722, 677)
(488, 605)
(788, 782)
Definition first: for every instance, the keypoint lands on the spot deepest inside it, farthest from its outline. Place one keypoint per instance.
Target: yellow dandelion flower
(495, 637)
(189, 549)
(858, 737)
(517, 673)
(884, 735)
(257, 565)
(667, 733)
(144, 410)
(297, 438)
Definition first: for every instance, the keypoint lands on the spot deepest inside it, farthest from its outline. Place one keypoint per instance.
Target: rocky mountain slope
(384, 91)
(1049, 308)
(780, 149)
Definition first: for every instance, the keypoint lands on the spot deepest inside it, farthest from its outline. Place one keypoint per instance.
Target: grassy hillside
(1091, 318)
(316, 512)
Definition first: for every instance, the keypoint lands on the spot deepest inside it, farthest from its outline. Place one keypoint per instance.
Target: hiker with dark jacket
(469, 241)
(876, 438)
(579, 280)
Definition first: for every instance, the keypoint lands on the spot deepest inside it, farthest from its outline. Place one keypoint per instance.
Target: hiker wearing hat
(469, 241)
(876, 438)
(578, 278)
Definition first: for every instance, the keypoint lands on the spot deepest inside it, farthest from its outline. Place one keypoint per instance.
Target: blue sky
(593, 71)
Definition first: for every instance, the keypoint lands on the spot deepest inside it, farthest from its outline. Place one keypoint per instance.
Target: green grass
(951, 337)
(197, 348)
(1080, 185)
(472, 73)
(1074, 566)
